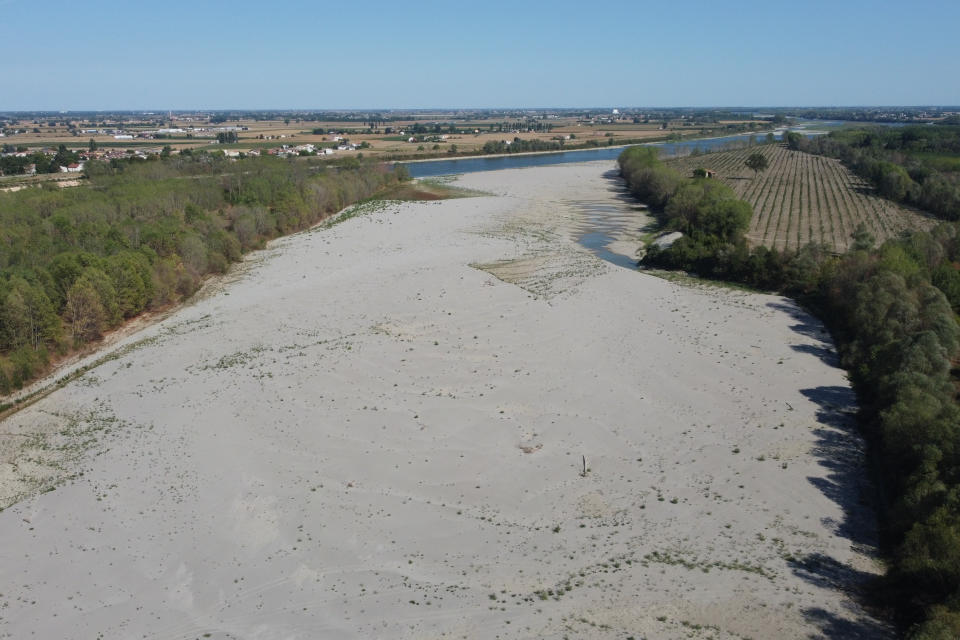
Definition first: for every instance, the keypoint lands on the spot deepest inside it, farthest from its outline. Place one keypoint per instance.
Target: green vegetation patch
(426, 189)
(142, 235)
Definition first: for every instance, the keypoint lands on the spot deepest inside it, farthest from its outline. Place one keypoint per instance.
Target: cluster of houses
(428, 138)
(609, 118)
(342, 143)
(31, 169)
(289, 151)
(196, 132)
(83, 157)
(286, 151)
(283, 151)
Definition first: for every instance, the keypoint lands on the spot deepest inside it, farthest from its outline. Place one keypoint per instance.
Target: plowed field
(804, 198)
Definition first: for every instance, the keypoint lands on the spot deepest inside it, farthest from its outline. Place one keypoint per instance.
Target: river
(430, 168)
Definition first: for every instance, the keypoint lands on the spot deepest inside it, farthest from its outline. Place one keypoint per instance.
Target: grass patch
(361, 208)
(690, 280)
(940, 161)
(419, 190)
(692, 562)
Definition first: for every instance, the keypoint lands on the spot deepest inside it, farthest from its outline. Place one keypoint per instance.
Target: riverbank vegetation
(424, 189)
(143, 235)
(520, 145)
(892, 311)
(916, 165)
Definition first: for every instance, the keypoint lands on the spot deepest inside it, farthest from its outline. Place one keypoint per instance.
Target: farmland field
(804, 198)
(469, 138)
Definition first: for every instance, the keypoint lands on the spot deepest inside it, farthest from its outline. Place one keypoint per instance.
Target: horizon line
(462, 108)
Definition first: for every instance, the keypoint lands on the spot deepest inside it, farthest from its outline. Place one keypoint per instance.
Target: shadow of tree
(825, 572)
(824, 353)
(836, 405)
(812, 328)
(617, 186)
(837, 627)
(840, 451)
(807, 325)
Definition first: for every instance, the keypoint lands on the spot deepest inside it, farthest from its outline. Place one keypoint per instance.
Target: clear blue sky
(207, 54)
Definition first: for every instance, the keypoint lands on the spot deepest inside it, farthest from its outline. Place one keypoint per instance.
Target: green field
(945, 162)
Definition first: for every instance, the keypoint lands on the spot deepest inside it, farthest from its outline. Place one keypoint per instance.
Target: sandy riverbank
(378, 430)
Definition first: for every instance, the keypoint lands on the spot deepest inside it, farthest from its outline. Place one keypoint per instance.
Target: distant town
(46, 142)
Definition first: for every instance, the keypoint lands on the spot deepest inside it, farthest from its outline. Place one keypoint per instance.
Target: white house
(72, 168)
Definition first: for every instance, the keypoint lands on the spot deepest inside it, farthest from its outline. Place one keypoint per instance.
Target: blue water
(601, 222)
(471, 165)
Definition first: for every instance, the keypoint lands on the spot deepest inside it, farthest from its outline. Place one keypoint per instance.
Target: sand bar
(378, 431)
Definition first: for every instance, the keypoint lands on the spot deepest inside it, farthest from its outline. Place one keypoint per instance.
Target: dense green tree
(946, 277)
(29, 318)
(863, 240)
(726, 219)
(757, 162)
(64, 157)
(84, 312)
(793, 139)
(142, 235)
(893, 181)
(97, 278)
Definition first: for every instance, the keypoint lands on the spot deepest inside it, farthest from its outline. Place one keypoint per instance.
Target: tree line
(519, 146)
(865, 114)
(11, 165)
(892, 311)
(77, 262)
(915, 165)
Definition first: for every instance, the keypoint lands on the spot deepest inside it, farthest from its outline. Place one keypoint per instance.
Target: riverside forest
(143, 235)
(892, 310)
